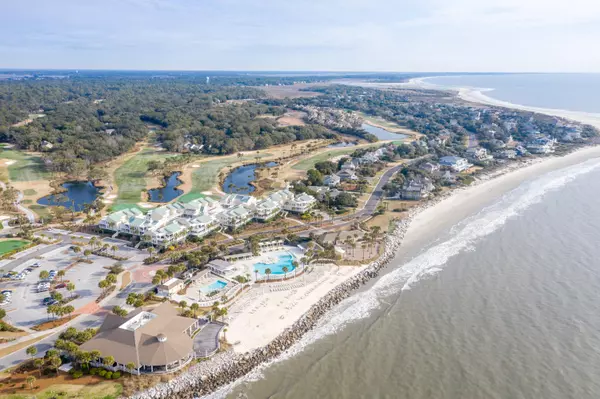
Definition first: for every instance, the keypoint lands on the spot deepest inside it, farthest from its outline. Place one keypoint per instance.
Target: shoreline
(228, 367)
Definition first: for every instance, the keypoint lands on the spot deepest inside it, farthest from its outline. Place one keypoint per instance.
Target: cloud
(306, 34)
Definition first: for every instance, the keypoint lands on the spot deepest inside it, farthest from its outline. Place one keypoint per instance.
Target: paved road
(19, 261)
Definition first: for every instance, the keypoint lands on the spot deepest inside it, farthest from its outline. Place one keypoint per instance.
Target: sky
(303, 35)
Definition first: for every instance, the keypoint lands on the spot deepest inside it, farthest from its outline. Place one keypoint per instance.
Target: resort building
(203, 225)
(457, 164)
(235, 217)
(168, 288)
(301, 204)
(233, 200)
(155, 341)
(266, 209)
(221, 267)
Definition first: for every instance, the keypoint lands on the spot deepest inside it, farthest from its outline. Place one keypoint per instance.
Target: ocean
(500, 303)
(572, 92)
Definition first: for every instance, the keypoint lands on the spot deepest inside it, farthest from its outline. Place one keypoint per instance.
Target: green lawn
(42, 211)
(103, 390)
(206, 176)
(9, 245)
(131, 176)
(26, 168)
(309, 163)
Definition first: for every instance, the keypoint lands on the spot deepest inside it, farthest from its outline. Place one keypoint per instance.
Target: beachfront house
(541, 145)
(416, 189)
(457, 164)
(478, 154)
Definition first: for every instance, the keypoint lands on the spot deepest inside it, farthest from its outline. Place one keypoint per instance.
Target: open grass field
(103, 390)
(9, 245)
(130, 177)
(40, 210)
(23, 167)
(206, 175)
(310, 162)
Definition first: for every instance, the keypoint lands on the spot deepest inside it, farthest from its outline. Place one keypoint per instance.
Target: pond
(382, 134)
(238, 181)
(77, 194)
(169, 191)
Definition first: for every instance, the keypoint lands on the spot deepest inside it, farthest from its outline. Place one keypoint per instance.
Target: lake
(169, 191)
(238, 181)
(78, 193)
(381, 133)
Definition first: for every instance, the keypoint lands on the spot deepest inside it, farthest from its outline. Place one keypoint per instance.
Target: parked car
(48, 301)
(61, 285)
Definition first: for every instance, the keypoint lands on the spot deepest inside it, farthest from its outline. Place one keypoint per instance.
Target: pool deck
(248, 265)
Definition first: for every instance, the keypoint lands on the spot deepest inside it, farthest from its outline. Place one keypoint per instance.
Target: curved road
(30, 215)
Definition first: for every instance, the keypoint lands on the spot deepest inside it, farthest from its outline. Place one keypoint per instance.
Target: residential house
(347, 175)
(429, 167)
(457, 164)
(541, 145)
(478, 154)
(507, 154)
(332, 180)
(416, 189)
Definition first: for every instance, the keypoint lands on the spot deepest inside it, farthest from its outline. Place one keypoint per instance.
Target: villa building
(172, 223)
(301, 204)
(154, 341)
(429, 167)
(266, 209)
(235, 217)
(457, 164)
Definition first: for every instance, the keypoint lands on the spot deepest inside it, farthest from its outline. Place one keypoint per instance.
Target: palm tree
(61, 274)
(87, 254)
(76, 249)
(223, 313)
(55, 362)
(194, 307)
(183, 305)
(225, 334)
(114, 249)
(71, 288)
(151, 250)
(130, 367)
(31, 380)
(38, 364)
(44, 274)
(268, 273)
(285, 270)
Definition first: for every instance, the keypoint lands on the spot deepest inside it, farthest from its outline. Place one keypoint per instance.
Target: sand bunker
(9, 162)
(145, 205)
(195, 166)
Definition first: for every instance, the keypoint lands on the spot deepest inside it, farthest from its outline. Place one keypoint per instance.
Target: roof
(140, 345)
(219, 264)
(171, 283)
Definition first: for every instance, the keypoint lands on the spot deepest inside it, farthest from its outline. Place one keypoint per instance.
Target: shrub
(108, 375)
(102, 373)
(94, 371)
(116, 375)
(77, 374)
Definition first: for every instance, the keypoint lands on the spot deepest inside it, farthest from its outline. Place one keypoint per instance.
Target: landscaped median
(12, 246)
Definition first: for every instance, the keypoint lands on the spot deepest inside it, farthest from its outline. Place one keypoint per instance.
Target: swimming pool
(215, 286)
(277, 266)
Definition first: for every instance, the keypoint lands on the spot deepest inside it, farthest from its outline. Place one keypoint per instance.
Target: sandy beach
(257, 321)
